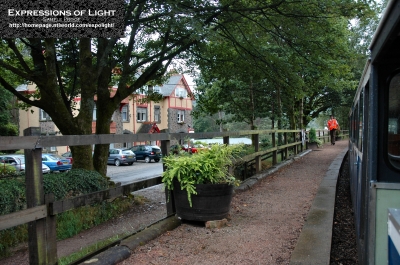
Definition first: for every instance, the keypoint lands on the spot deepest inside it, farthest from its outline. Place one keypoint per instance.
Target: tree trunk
(279, 115)
(220, 124)
(105, 110)
(301, 114)
(58, 106)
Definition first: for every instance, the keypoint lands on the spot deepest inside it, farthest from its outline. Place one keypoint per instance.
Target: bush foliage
(8, 129)
(313, 137)
(73, 183)
(7, 171)
(206, 167)
(63, 185)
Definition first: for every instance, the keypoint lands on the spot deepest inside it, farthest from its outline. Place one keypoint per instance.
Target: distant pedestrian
(333, 125)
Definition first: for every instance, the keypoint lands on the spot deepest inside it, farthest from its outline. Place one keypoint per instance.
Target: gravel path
(265, 222)
(264, 225)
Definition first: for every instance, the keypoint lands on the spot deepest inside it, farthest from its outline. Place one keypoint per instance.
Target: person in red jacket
(332, 127)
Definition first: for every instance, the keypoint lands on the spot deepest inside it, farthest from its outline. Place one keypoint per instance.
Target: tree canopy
(280, 37)
(290, 67)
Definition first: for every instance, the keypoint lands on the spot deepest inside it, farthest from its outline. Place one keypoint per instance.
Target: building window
(157, 114)
(181, 93)
(124, 113)
(141, 114)
(181, 116)
(95, 113)
(44, 116)
(53, 149)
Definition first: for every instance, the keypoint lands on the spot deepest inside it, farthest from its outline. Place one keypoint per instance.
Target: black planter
(312, 146)
(212, 202)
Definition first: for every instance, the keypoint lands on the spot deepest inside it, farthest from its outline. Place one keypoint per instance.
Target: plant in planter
(201, 183)
(313, 137)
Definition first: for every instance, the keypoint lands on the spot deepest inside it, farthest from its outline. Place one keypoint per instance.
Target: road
(138, 171)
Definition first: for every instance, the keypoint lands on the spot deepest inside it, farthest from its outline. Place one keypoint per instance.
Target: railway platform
(311, 174)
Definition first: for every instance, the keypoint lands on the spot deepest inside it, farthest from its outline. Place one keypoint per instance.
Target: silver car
(119, 156)
(18, 162)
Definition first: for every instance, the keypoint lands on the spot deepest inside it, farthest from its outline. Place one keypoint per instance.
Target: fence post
(169, 196)
(274, 153)
(323, 135)
(51, 232)
(35, 197)
(225, 140)
(245, 171)
(301, 139)
(295, 146)
(285, 138)
(256, 149)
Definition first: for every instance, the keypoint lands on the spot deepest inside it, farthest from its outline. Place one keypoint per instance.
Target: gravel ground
(265, 221)
(344, 248)
(264, 225)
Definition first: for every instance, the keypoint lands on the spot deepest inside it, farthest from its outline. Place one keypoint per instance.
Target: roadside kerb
(123, 250)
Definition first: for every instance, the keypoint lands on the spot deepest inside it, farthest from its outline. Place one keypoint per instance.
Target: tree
(286, 66)
(158, 32)
(206, 123)
(7, 127)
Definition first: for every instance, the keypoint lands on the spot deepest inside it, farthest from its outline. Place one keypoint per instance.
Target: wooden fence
(42, 209)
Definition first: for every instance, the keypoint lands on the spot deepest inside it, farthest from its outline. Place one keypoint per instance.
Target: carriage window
(360, 121)
(394, 121)
(355, 124)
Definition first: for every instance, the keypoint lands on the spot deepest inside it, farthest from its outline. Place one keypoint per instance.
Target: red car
(175, 148)
(190, 149)
(200, 147)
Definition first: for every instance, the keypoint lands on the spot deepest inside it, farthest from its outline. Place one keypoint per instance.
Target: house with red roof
(134, 115)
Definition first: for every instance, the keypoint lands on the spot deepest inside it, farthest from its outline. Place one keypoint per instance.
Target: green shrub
(209, 167)
(8, 171)
(12, 199)
(8, 129)
(266, 142)
(73, 183)
(313, 137)
(12, 195)
(63, 185)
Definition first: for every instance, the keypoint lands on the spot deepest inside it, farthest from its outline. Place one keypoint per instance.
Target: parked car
(175, 149)
(200, 147)
(120, 156)
(56, 162)
(18, 162)
(189, 148)
(68, 155)
(147, 152)
(45, 169)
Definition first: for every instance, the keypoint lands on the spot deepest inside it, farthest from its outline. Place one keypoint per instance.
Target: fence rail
(42, 208)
